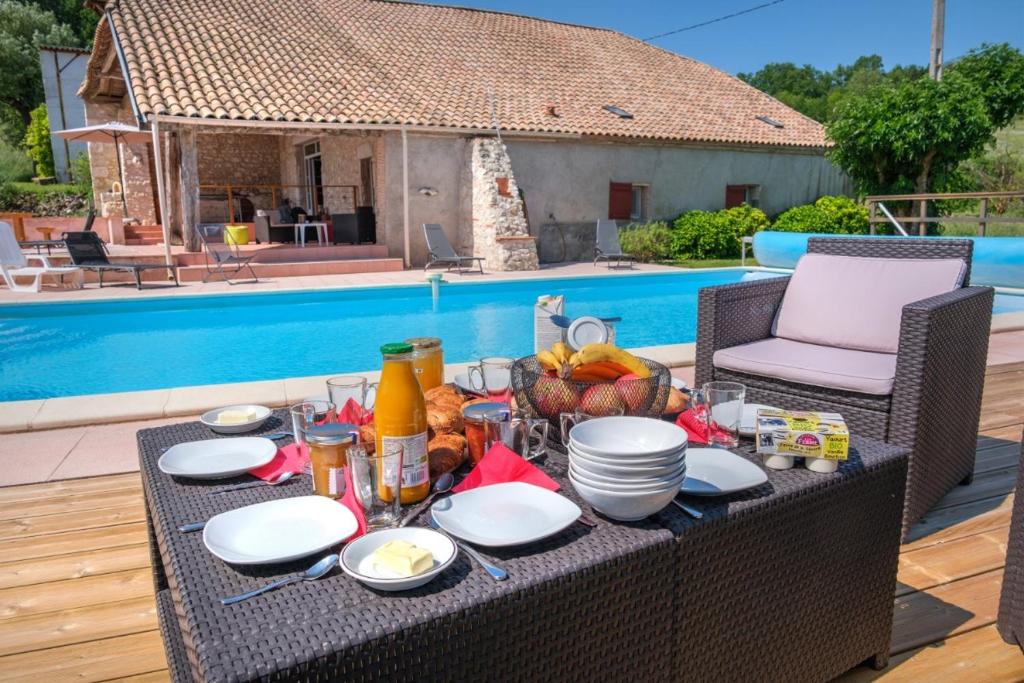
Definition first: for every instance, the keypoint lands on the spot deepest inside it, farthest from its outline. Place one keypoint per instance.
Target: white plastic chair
(14, 264)
(608, 247)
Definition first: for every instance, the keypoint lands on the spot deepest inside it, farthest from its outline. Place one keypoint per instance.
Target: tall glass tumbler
(720, 405)
(377, 484)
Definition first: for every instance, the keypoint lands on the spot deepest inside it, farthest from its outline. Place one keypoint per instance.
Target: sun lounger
(608, 247)
(88, 252)
(441, 251)
(14, 264)
(221, 258)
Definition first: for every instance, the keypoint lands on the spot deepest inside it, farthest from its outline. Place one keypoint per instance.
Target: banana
(549, 361)
(597, 353)
(574, 360)
(561, 351)
(598, 370)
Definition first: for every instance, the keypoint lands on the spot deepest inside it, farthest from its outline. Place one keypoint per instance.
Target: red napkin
(696, 428)
(354, 414)
(291, 458)
(350, 501)
(500, 465)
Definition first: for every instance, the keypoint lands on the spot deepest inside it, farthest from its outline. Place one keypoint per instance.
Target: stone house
(514, 133)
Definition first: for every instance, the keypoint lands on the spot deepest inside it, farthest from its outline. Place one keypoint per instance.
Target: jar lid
(424, 342)
(476, 411)
(395, 348)
(332, 434)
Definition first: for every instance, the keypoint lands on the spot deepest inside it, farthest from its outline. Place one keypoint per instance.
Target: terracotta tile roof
(384, 62)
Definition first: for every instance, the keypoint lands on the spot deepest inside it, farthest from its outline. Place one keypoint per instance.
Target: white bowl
(260, 415)
(611, 467)
(625, 507)
(627, 437)
(627, 464)
(357, 560)
(618, 480)
(629, 486)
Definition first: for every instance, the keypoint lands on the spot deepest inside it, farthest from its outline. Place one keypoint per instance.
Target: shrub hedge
(838, 215)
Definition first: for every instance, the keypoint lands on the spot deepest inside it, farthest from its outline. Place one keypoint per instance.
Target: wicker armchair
(1011, 602)
(935, 403)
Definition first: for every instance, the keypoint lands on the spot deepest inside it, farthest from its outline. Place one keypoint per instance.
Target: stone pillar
(501, 234)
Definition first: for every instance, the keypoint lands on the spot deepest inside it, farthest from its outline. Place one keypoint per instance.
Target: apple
(601, 400)
(554, 396)
(634, 394)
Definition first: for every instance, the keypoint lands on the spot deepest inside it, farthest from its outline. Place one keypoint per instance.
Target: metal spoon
(274, 436)
(497, 573)
(693, 512)
(281, 478)
(318, 570)
(443, 484)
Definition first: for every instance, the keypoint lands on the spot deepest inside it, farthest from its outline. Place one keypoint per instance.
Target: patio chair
(1011, 601)
(88, 252)
(222, 258)
(886, 332)
(608, 247)
(441, 251)
(14, 264)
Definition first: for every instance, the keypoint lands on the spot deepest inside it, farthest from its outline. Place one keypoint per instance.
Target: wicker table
(655, 600)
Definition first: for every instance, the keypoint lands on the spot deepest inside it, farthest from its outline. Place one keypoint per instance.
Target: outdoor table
(746, 592)
(321, 233)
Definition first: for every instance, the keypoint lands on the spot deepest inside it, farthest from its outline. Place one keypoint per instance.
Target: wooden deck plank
(98, 660)
(113, 482)
(958, 559)
(162, 676)
(74, 541)
(943, 611)
(78, 565)
(24, 528)
(91, 590)
(71, 503)
(79, 625)
(986, 485)
(940, 526)
(979, 655)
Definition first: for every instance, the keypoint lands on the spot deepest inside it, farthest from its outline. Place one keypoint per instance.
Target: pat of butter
(235, 417)
(403, 558)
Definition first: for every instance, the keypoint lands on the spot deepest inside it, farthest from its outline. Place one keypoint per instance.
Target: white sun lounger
(14, 264)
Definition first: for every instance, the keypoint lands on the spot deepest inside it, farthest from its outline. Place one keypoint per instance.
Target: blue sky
(819, 32)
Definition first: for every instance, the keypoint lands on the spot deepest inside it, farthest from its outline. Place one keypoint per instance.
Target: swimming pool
(68, 349)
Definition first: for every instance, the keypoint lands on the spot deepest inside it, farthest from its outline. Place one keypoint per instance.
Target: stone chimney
(501, 234)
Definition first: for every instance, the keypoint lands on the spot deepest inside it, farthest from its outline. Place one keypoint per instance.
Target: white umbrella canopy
(111, 132)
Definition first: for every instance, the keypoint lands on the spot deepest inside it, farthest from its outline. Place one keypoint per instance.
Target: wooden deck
(76, 597)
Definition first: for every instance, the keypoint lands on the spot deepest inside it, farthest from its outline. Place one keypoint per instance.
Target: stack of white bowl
(627, 468)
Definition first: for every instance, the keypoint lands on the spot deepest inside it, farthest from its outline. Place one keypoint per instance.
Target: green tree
(37, 142)
(23, 30)
(912, 136)
(999, 71)
(75, 15)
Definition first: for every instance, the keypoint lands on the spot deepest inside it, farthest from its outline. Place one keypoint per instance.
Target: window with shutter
(735, 195)
(620, 200)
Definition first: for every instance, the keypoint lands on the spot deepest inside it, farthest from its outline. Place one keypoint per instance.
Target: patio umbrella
(113, 131)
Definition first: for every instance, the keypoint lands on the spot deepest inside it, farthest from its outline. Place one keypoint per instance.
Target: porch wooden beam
(173, 184)
(188, 168)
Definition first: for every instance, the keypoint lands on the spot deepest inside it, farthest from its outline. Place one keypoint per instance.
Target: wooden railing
(922, 219)
(233, 192)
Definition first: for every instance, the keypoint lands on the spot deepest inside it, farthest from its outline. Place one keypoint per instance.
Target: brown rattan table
(792, 581)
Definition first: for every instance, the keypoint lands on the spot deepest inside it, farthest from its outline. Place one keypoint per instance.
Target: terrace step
(143, 230)
(136, 241)
(290, 253)
(299, 268)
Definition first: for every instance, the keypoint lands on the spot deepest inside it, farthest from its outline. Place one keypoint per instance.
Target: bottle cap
(424, 342)
(395, 348)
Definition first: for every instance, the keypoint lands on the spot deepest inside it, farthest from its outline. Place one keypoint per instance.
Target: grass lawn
(56, 188)
(709, 263)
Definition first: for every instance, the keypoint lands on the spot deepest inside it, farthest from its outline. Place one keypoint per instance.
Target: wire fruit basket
(544, 395)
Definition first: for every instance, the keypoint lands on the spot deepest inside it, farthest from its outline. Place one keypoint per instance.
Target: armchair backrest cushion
(854, 302)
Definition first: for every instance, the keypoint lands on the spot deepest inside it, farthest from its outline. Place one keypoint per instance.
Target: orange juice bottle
(400, 415)
(427, 361)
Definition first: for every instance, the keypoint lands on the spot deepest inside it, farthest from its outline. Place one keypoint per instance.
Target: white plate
(716, 472)
(586, 330)
(278, 530)
(357, 557)
(504, 514)
(625, 437)
(217, 458)
(461, 381)
(261, 413)
(748, 423)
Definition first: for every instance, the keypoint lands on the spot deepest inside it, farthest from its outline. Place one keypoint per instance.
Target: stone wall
(244, 161)
(501, 234)
(137, 162)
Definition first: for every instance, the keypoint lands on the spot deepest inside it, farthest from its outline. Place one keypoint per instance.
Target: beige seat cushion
(852, 302)
(865, 372)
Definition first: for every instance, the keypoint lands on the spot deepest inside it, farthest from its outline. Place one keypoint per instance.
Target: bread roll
(677, 401)
(442, 392)
(445, 402)
(444, 420)
(368, 438)
(445, 453)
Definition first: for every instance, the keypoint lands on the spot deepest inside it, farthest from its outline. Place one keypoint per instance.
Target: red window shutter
(620, 200)
(735, 195)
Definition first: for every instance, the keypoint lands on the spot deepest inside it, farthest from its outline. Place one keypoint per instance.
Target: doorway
(366, 181)
(314, 188)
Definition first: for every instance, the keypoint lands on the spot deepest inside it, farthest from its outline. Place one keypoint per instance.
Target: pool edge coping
(92, 409)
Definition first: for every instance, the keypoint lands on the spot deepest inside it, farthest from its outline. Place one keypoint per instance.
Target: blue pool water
(68, 349)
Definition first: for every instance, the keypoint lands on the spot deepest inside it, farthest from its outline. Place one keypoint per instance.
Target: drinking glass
(720, 406)
(524, 435)
(377, 484)
(352, 387)
(493, 376)
(309, 413)
(566, 421)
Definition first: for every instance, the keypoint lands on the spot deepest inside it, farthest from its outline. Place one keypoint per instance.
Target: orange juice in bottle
(400, 416)
(427, 361)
